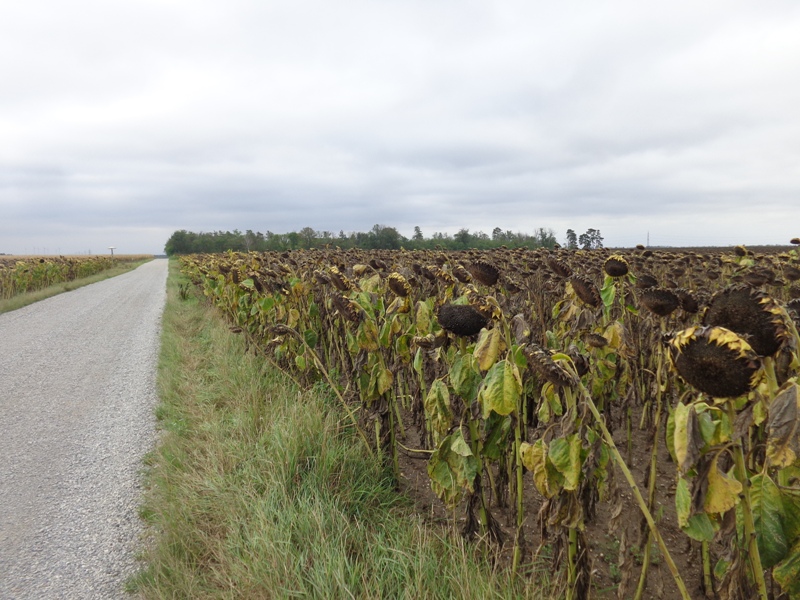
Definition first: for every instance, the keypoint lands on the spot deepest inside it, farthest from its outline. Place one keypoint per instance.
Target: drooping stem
(572, 568)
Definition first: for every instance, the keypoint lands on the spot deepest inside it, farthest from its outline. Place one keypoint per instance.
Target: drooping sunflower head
(339, 280)
(689, 302)
(461, 319)
(752, 314)
(616, 266)
(740, 251)
(659, 301)
(715, 361)
(347, 308)
(586, 291)
(484, 272)
(559, 267)
(399, 285)
(542, 363)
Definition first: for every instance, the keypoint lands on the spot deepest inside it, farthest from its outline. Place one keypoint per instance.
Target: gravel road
(77, 395)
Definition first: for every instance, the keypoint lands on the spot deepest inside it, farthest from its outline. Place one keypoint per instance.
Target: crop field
(630, 416)
(23, 274)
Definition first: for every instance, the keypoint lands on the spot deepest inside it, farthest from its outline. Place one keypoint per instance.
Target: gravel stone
(77, 401)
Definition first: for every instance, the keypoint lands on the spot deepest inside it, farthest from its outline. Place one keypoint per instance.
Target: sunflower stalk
(587, 398)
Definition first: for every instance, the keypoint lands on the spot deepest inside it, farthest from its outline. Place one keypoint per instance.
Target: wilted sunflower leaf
(501, 389)
(688, 438)
(452, 469)
(783, 427)
(534, 456)
(437, 409)
(464, 376)
(697, 526)
(488, 348)
(565, 454)
(723, 492)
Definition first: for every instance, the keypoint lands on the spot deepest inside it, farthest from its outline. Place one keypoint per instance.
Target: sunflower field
(552, 393)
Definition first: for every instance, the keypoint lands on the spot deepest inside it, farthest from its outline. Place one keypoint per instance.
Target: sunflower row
(511, 369)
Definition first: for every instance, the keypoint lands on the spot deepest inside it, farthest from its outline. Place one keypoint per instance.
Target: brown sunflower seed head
(715, 361)
(616, 266)
(339, 280)
(795, 241)
(559, 267)
(399, 285)
(462, 274)
(484, 272)
(541, 362)
(595, 340)
(740, 251)
(347, 308)
(586, 291)
(461, 319)
(646, 280)
(689, 303)
(751, 314)
(659, 301)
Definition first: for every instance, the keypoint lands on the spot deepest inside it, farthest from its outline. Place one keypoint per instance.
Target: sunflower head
(751, 314)
(347, 308)
(586, 291)
(616, 266)
(542, 363)
(399, 285)
(484, 272)
(659, 301)
(559, 267)
(715, 361)
(339, 280)
(461, 319)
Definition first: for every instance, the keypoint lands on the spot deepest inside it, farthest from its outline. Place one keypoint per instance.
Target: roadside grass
(259, 489)
(27, 298)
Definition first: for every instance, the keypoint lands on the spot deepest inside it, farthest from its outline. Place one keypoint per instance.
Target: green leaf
(698, 527)
(310, 337)
(608, 292)
(300, 362)
(367, 335)
(767, 507)
(464, 376)
(565, 454)
(787, 573)
(496, 443)
(452, 469)
(437, 409)
(501, 389)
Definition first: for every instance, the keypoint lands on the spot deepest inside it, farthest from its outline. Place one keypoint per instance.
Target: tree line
(379, 237)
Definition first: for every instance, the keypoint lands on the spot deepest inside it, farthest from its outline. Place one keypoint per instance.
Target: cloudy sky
(122, 121)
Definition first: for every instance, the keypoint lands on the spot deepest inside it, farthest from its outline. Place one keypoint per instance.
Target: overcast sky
(121, 122)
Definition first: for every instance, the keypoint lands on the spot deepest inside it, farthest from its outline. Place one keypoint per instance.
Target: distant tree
(418, 237)
(463, 238)
(498, 235)
(591, 239)
(572, 239)
(308, 237)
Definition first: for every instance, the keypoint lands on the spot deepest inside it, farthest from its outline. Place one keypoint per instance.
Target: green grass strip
(259, 490)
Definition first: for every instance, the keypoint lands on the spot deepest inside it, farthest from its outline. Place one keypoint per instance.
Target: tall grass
(259, 490)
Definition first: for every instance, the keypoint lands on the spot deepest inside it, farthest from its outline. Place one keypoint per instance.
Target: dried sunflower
(616, 266)
(484, 272)
(715, 360)
(542, 363)
(659, 301)
(586, 291)
(399, 285)
(749, 313)
(559, 267)
(461, 319)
